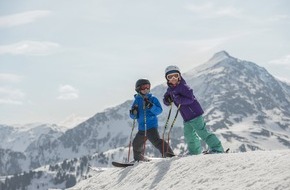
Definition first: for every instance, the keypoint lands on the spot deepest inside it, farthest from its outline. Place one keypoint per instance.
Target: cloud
(7, 77)
(68, 92)
(282, 61)
(23, 18)
(209, 10)
(11, 96)
(29, 48)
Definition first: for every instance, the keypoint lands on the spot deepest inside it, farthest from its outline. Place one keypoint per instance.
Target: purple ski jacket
(182, 94)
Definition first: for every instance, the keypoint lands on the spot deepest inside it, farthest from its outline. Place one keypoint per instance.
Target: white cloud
(209, 10)
(23, 18)
(29, 48)
(282, 61)
(7, 77)
(11, 96)
(68, 92)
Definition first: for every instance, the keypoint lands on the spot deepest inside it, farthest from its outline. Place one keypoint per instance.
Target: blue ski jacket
(151, 114)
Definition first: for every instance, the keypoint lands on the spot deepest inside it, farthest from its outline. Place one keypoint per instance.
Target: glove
(134, 111)
(148, 104)
(168, 99)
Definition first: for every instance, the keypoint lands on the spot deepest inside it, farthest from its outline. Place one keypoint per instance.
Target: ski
(209, 152)
(227, 151)
(122, 164)
(126, 164)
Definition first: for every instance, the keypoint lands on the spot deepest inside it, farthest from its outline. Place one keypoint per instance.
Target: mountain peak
(216, 58)
(222, 53)
(219, 56)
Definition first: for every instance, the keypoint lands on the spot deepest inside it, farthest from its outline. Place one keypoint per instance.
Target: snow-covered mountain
(244, 105)
(19, 137)
(12, 162)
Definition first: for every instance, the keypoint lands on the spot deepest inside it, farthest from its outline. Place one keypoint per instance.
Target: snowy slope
(251, 170)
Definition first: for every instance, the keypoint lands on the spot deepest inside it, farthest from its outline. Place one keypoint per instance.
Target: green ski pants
(196, 128)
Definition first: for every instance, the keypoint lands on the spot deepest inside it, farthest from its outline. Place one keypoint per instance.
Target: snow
(249, 170)
(21, 136)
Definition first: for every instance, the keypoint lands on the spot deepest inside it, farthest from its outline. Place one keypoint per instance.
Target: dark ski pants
(154, 138)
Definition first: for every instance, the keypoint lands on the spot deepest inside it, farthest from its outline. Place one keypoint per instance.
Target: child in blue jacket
(145, 109)
(181, 94)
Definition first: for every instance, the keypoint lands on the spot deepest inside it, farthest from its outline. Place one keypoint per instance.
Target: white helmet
(171, 69)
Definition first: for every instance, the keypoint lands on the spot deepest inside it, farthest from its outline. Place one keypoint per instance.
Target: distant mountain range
(244, 105)
(20, 137)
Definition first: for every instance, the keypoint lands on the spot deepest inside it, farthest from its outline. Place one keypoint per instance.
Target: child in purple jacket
(181, 94)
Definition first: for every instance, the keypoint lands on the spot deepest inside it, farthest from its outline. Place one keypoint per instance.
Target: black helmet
(141, 82)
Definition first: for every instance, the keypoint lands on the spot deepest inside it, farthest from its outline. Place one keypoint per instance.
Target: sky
(250, 170)
(66, 60)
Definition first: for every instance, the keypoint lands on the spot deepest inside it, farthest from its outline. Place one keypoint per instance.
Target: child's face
(145, 88)
(173, 78)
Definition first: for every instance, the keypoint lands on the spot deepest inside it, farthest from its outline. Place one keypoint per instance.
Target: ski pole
(145, 125)
(164, 129)
(168, 138)
(130, 143)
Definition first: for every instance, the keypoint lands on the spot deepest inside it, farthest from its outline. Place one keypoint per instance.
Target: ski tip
(122, 165)
(215, 152)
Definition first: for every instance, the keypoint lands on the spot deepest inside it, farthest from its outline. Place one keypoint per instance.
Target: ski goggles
(145, 86)
(173, 75)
